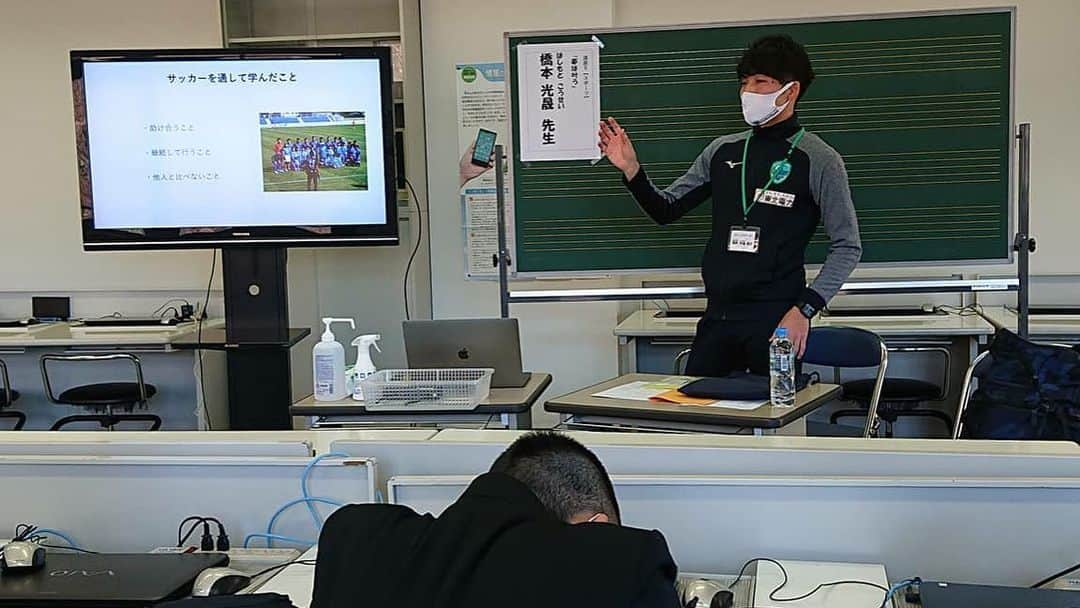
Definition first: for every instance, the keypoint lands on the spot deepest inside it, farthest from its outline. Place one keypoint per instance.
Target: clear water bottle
(781, 370)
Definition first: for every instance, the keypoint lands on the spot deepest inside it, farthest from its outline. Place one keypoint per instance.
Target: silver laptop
(477, 343)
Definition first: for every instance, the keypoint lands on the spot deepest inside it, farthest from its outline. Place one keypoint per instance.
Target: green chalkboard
(918, 105)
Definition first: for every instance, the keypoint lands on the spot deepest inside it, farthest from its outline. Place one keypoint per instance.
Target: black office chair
(900, 397)
(7, 398)
(103, 398)
(850, 347)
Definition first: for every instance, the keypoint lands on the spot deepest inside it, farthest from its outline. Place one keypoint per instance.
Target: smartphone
(484, 148)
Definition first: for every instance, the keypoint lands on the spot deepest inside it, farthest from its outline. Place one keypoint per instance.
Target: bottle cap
(781, 332)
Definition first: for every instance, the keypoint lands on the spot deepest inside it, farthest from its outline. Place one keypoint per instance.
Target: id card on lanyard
(746, 238)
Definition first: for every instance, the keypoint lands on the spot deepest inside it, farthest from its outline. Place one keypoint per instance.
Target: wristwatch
(809, 303)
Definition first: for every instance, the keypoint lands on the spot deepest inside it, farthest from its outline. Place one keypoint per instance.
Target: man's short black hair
(564, 475)
(779, 57)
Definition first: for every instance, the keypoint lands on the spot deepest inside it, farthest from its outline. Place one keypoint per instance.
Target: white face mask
(760, 108)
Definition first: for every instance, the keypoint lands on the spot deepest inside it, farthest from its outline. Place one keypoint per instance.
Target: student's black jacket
(497, 546)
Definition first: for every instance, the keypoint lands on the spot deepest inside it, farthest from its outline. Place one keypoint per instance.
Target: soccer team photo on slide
(312, 151)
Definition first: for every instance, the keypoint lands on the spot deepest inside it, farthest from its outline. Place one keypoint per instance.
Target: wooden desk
(514, 405)
(587, 410)
(646, 323)
(648, 343)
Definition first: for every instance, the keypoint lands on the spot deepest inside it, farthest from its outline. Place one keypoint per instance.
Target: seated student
(540, 529)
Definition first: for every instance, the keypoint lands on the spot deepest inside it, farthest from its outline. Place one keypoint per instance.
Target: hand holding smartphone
(484, 148)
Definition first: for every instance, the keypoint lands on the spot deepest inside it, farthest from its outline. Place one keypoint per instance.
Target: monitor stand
(257, 337)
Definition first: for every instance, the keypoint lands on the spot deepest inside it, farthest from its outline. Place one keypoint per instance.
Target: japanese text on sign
(558, 106)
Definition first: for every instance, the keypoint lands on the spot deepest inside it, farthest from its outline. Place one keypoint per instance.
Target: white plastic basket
(418, 390)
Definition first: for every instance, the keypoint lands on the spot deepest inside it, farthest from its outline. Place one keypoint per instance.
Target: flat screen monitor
(212, 148)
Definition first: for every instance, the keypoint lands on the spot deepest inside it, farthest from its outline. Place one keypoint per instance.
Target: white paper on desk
(643, 390)
(738, 405)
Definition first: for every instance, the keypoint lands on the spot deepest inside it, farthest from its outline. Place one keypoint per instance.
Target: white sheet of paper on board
(559, 101)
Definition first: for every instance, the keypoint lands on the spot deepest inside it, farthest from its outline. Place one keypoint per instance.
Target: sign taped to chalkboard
(559, 99)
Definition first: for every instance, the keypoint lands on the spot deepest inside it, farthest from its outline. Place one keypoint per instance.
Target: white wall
(41, 244)
(574, 340)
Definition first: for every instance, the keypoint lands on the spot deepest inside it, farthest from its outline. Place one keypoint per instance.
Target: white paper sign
(559, 101)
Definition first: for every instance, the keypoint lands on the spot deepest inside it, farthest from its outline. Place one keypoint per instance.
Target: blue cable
(309, 500)
(272, 537)
(304, 483)
(897, 587)
(58, 534)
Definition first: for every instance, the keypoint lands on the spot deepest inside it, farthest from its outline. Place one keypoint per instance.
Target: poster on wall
(559, 101)
(482, 123)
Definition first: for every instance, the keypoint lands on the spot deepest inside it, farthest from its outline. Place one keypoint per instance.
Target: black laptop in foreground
(108, 580)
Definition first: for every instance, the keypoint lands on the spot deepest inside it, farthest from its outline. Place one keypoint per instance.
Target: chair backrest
(45, 359)
(8, 397)
(978, 365)
(851, 347)
(843, 347)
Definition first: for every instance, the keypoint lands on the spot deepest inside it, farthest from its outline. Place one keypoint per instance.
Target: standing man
(770, 187)
(311, 168)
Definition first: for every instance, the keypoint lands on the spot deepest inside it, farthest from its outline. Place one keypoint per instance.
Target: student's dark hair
(779, 57)
(565, 476)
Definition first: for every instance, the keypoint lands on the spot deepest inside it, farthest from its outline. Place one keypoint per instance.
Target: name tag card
(744, 239)
(772, 197)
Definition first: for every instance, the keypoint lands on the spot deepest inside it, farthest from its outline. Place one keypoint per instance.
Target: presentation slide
(236, 143)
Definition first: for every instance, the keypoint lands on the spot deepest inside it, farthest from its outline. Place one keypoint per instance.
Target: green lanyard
(778, 172)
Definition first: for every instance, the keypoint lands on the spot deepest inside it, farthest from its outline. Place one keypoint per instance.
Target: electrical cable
(309, 500)
(23, 531)
(220, 544)
(180, 529)
(784, 582)
(176, 313)
(306, 498)
(969, 310)
(69, 548)
(1054, 577)
(295, 562)
(897, 587)
(416, 247)
(166, 303)
(39, 532)
(304, 483)
(198, 340)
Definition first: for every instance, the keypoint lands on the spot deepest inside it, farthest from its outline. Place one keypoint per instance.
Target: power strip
(246, 560)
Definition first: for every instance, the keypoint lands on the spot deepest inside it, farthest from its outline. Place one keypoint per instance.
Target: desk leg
(519, 422)
(795, 429)
(627, 355)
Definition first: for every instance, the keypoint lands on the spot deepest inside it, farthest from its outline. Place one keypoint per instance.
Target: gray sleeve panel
(830, 189)
(699, 173)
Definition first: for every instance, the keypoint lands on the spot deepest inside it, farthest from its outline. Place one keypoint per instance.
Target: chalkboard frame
(514, 38)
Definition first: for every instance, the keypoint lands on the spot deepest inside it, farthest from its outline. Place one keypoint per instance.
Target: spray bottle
(364, 365)
(328, 362)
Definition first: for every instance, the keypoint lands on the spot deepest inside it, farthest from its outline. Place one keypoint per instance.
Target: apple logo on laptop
(463, 354)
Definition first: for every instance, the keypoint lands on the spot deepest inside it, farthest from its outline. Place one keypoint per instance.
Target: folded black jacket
(739, 386)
